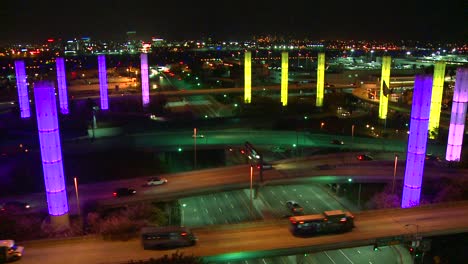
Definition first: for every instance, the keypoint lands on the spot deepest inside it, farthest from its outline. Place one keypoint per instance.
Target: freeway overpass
(262, 238)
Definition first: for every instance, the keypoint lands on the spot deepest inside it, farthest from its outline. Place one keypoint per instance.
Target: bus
(167, 237)
(334, 221)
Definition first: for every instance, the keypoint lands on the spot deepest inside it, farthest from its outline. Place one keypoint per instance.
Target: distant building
(133, 44)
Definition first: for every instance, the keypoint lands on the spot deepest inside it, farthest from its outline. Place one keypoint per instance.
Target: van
(167, 237)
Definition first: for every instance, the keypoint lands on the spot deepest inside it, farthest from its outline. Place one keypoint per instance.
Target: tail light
(183, 233)
(114, 194)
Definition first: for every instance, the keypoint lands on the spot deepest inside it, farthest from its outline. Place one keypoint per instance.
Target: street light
(77, 197)
(195, 148)
(182, 215)
(394, 173)
(251, 191)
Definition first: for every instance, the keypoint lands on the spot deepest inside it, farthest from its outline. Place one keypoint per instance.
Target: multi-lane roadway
(267, 238)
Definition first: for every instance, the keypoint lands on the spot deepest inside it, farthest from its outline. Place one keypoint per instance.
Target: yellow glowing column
(436, 101)
(248, 77)
(320, 78)
(384, 86)
(284, 78)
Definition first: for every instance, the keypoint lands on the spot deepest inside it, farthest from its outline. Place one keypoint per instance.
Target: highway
(261, 238)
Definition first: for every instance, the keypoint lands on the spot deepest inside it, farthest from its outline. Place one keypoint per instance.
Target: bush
(175, 258)
(124, 223)
(118, 228)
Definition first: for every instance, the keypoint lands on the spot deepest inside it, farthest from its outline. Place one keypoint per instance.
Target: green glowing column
(436, 103)
(284, 78)
(384, 86)
(248, 77)
(320, 78)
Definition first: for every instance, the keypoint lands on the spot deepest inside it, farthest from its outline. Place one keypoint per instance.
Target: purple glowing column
(23, 97)
(417, 140)
(49, 139)
(103, 81)
(144, 79)
(62, 85)
(457, 119)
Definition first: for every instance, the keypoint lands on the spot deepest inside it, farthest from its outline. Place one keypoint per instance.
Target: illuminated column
(248, 77)
(51, 153)
(436, 103)
(457, 119)
(284, 78)
(62, 85)
(144, 79)
(384, 85)
(417, 140)
(103, 81)
(320, 78)
(23, 97)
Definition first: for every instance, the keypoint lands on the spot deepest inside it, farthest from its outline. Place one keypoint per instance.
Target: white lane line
(350, 261)
(326, 254)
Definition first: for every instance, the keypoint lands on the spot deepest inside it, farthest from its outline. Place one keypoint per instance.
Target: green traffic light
(179, 149)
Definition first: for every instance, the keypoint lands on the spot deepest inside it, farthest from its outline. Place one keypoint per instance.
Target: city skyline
(36, 21)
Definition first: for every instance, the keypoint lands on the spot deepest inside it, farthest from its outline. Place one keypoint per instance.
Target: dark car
(432, 157)
(337, 142)
(123, 192)
(364, 157)
(15, 207)
(266, 166)
(294, 208)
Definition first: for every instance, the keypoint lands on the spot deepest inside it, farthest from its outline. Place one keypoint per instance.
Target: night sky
(37, 20)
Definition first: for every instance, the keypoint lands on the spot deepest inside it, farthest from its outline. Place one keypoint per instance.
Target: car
(364, 157)
(432, 157)
(156, 181)
(294, 208)
(123, 192)
(15, 207)
(12, 251)
(337, 142)
(266, 166)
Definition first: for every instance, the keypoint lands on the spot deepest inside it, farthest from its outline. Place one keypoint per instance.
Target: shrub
(175, 258)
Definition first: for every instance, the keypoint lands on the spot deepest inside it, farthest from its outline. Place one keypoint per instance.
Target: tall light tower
(417, 140)
(284, 77)
(103, 81)
(51, 152)
(144, 79)
(436, 103)
(62, 85)
(320, 79)
(384, 86)
(248, 77)
(457, 119)
(23, 97)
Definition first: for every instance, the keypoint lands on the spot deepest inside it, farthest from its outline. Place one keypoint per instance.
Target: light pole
(352, 133)
(394, 173)
(251, 191)
(77, 197)
(195, 148)
(182, 215)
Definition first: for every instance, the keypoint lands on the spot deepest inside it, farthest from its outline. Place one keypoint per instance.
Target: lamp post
(195, 148)
(251, 191)
(394, 173)
(77, 197)
(182, 215)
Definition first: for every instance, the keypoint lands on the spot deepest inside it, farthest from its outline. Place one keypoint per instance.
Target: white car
(13, 251)
(156, 181)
